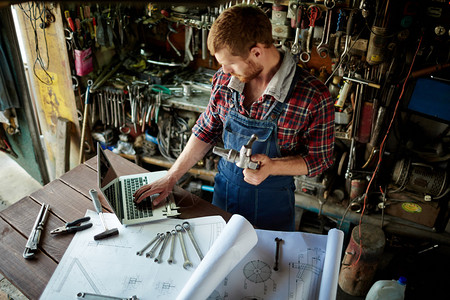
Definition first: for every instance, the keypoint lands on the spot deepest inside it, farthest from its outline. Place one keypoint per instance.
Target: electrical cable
(33, 14)
(380, 154)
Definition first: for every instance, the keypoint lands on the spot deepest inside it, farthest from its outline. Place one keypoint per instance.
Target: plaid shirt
(305, 127)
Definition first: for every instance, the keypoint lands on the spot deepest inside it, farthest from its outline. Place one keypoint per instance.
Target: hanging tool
(349, 30)
(322, 48)
(73, 226)
(242, 158)
(35, 235)
(87, 103)
(313, 14)
(90, 296)
(108, 232)
(295, 49)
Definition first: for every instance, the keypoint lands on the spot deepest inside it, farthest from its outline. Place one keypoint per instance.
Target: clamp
(241, 158)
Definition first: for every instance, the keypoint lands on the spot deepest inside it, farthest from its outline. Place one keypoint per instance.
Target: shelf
(162, 162)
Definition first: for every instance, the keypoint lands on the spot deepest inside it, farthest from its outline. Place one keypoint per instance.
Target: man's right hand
(162, 186)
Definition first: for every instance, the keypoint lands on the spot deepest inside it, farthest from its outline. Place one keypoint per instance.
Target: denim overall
(269, 205)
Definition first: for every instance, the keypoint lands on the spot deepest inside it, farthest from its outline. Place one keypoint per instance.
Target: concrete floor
(15, 183)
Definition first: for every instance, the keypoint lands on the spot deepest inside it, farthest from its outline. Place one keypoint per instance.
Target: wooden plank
(22, 216)
(63, 146)
(29, 276)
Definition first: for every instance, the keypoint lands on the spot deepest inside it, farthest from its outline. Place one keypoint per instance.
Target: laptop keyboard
(142, 210)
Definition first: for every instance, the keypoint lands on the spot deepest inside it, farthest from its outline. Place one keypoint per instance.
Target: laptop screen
(106, 172)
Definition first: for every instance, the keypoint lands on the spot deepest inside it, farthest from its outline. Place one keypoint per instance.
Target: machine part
(187, 228)
(158, 259)
(108, 232)
(187, 263)
(421, 178)
(278, 241)
(158, 242)
(173, 233)
(242, 158)
(35, 235)
(377, 45)
(148, 245)
(90, 296)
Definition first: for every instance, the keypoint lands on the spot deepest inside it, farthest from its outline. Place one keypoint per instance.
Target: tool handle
(79, 228)
(94, 197)
(78, 221)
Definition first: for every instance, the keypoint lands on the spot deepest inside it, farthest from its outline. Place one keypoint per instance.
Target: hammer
(98, 207)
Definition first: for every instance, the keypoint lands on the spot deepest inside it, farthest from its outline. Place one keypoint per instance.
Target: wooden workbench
(68, 197)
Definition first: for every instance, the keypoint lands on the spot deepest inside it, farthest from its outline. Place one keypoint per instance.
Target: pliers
(73, 226)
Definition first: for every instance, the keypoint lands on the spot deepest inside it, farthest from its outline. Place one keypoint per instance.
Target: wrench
(148, 245)
(172, 246)
(187, 228)
(313, 15)
(278, 241)
(295, 49)
(158, 259)
(152, 251)
(350, 23)
(322, 48)
(187, 263)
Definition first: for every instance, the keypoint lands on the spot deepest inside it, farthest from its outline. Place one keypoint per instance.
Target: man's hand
(162, 186)
(255, 177)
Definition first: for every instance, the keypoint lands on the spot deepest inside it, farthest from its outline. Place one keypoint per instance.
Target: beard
(252, 71)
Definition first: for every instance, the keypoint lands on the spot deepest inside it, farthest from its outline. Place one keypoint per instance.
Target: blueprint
(238, 263)
(111, 266)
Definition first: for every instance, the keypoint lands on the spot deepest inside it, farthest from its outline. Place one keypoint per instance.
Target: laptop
(118, 191)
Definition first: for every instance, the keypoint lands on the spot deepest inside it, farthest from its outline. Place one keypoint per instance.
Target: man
(259, 90)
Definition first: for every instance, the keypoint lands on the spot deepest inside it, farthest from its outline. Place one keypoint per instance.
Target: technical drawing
(306, 273)
(257, 271)
(165, 288)
(76, 270)
(215, 296)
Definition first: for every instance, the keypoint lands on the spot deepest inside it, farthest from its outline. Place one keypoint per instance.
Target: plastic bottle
(388, 290)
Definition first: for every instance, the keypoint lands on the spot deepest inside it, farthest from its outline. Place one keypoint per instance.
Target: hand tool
(90, 296)
(242, 158)
(159, 241)
(322, 48)
(173, 233)
(295, 49)
(35, 235)
(277, 253)
(350, 23)
(148, 245)
(187, 263)
(187, 228)
(313, 14)
(87, 103)
(108, 232)
(73, 226)
(158, 259)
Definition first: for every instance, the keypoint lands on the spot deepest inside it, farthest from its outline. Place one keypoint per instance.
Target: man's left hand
(255, 177)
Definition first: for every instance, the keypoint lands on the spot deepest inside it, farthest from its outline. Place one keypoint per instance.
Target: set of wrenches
(163, 239)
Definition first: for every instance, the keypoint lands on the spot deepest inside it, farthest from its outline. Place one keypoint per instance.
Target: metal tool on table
(148, 245)
(187, 263)
(35, 235)
(172, 247)
(90, 296)
(73, 226)
(278, 241)
(187, 228)
(241, 158)
(158, 242)
(158, 259)
(108, 232)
